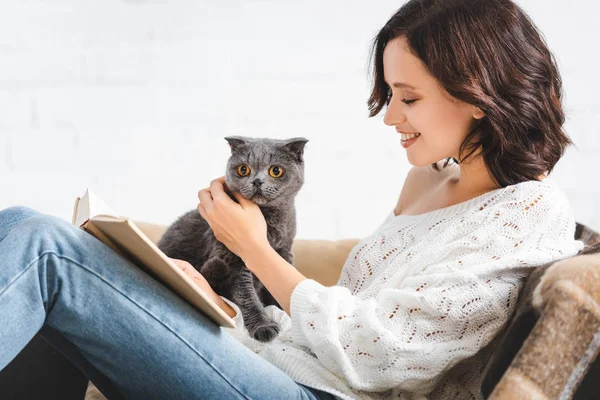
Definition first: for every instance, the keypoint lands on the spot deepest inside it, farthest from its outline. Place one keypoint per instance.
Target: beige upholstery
(321, 260)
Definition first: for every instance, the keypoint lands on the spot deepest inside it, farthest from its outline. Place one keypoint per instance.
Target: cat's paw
(266, 332)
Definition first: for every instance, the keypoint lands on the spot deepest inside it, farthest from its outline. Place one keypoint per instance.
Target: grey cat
(270, 172)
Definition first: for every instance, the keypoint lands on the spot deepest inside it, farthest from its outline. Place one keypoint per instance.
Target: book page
(90, 206)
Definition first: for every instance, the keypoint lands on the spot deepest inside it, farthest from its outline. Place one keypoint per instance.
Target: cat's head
(266, 171)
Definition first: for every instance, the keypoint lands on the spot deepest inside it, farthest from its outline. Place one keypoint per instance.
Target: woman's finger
(201, 210)
(180, 263)
(205, 190)
(244, 202)
(193, 273)
(217, 189)
(206, 199)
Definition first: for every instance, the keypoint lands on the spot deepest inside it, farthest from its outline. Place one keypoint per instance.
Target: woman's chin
(418, 162)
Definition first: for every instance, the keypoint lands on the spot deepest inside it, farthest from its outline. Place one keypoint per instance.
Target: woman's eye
(409, 102)
(276, 172)
(243, 170)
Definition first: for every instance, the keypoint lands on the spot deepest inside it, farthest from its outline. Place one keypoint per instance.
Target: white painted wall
(133, 99)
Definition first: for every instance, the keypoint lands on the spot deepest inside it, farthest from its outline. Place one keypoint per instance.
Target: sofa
(548, 349)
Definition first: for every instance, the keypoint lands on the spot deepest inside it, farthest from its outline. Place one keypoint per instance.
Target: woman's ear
(477, 113)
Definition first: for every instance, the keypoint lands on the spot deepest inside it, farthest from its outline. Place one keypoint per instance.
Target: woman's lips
(406, 143)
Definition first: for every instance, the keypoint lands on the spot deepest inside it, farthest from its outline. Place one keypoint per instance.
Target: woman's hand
(241, 227)
(203, 284)
(196, 276)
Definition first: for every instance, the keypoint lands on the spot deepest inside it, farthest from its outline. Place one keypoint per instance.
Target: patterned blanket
(553, 339)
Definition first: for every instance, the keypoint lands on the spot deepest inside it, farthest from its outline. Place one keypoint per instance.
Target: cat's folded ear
(296, 147)
(236, 141)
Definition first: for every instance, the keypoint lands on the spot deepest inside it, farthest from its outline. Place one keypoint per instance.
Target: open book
(124, 237)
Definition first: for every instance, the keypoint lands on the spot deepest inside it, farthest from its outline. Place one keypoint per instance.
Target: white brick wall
(133, 99)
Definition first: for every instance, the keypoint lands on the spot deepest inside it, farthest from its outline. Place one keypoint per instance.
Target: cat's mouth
(259, 197)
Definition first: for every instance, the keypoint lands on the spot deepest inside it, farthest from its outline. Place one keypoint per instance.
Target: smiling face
(266, 171)
(419, 105)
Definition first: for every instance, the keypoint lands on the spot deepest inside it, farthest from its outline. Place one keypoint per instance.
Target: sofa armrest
(552, 340)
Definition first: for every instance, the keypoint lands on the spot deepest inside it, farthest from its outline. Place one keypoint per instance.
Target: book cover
(124, 237)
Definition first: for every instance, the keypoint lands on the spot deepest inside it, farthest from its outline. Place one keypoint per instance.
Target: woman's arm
(279, 277)
(321, 259)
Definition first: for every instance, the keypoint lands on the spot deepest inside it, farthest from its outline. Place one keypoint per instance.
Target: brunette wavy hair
(487, 53)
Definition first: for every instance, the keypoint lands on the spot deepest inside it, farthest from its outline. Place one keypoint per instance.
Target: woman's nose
(393, 114)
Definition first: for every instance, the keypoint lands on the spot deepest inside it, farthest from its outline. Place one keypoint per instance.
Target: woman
(419, 302)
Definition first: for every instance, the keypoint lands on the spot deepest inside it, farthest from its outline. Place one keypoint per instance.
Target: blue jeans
(127, 332)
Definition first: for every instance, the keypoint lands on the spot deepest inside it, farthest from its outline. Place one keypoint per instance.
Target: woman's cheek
(422, 120)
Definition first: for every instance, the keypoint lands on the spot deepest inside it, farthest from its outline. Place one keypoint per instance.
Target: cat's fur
(190, 238)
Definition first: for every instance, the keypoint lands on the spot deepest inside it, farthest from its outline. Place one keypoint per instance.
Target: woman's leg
(146, 340)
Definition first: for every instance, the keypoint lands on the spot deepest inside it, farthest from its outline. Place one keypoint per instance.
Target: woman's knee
(14, 216)
(16, 213)
(28, 224)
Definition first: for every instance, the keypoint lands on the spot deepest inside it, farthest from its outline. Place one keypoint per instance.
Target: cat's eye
(243, 170)
(276, 171)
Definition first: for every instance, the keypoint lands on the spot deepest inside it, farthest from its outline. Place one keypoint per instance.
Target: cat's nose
(257, 182)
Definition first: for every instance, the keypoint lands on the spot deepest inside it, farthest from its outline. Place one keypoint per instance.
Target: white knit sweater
(419, 300)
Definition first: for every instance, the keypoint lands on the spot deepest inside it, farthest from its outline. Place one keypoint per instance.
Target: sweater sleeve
(411, 331)
(240, 332)
(238, 318)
